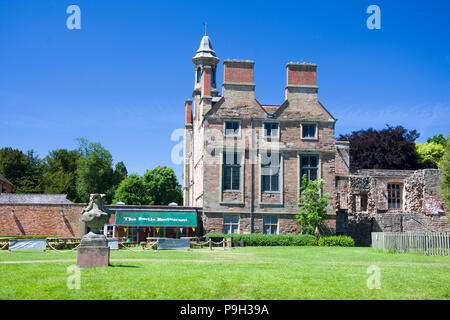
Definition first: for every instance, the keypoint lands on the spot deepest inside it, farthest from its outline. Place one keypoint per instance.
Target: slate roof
(31, 198)
(3, 179)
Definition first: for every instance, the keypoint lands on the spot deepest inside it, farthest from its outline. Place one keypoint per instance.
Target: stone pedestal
(93, 251)
(93, 257)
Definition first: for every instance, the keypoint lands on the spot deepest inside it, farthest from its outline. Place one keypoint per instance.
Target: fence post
(210, 244)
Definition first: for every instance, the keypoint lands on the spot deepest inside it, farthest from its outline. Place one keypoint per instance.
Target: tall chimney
(238, 71)
(188, 112)
(301, 74)
(206, 81)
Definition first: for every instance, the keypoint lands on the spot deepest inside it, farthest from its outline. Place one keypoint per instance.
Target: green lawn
(242, 273)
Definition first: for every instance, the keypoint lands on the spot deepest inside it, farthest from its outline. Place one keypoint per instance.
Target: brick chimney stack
(206, 82)
(301, 74)
(238, 71)
(238, 79)
(188, 112)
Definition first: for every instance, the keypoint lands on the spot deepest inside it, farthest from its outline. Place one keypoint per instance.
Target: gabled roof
(3, 179)
(31, 198)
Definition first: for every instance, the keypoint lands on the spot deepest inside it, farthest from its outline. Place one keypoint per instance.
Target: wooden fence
(430, 243)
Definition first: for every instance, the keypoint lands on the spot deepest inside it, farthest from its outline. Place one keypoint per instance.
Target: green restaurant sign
(156, 218)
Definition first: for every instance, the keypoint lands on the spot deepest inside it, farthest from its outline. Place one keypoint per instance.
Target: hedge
(255, 239)
(335, 241)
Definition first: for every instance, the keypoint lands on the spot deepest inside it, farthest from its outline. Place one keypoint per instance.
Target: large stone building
(244, 161)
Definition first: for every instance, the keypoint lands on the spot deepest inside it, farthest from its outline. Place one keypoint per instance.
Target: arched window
(199, 74)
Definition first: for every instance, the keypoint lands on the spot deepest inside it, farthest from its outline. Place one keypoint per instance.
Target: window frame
(304, 124)
(265, 131)
(398, 194)
(231, 223)
(234, 167)
(279, 174)
(308, 168)
(271, 224)
(238, 134)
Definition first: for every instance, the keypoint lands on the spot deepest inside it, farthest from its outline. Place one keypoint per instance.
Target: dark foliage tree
(389, 148)
(13, 164)
(59, 173)
(22, 170)
(120, 173)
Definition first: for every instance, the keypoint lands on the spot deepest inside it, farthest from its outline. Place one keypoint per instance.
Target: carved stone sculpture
(94, 250)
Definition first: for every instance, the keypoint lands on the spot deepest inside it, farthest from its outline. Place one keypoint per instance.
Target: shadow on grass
(122, 266)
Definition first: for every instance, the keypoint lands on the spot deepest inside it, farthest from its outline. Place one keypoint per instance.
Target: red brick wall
(301, 74)
(238, 72)
(42, 220)
(206, 82)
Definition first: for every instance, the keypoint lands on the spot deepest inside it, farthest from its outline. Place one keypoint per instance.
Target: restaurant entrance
(137, 224)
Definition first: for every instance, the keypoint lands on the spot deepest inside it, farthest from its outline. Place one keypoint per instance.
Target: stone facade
(207, 145)
(419, 207)
(361, 202)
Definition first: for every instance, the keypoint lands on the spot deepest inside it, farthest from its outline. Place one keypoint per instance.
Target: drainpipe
(251, 158)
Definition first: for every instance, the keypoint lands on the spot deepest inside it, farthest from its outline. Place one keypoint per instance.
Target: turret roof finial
(205, 24)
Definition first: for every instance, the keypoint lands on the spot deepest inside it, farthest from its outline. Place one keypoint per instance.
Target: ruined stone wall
(422, 192)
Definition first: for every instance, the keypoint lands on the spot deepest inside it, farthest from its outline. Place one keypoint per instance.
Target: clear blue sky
(123, 78)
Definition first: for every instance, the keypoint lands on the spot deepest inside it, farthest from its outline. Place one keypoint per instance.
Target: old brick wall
(41, 219)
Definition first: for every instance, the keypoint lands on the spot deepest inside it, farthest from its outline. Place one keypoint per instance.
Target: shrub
(262, 240)
(335, 241)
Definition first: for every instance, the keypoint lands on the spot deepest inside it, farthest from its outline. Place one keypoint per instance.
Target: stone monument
(93, 250)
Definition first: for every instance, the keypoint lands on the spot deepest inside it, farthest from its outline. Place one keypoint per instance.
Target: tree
(444, 165)
(133, 191)
(60, 172)
(429, 154)
(120, 173)
(312, 205)
(163, 186)
(22, 170)
(94, 171)
(439, 139)
(13, 164)
(390, 148)
(31, 177)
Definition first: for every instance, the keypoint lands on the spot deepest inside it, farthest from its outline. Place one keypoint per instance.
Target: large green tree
(94, 171)
(13, 164)
(430, 153)
(22, 170)
(120, 173)
(59, 173)
(312, 205)
(133, 191)
(163, 186)
(444, 165)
